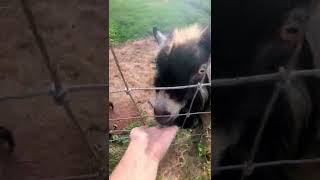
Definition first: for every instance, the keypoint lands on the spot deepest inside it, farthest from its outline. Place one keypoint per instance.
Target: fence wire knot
(58, 94)
(248, 169)
(128, 91)
(199, 85)
(284, 75)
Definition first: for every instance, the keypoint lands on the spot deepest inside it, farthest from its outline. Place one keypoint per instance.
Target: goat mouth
(166, 120)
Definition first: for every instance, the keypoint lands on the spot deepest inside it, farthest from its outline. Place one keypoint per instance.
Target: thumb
(168, 134)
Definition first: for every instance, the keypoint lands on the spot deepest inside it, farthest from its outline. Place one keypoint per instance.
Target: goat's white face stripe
(209, 69)
(173, 107)
(204, 94)
(162, 39)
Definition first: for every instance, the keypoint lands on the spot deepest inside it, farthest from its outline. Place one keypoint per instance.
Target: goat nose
(163, 113)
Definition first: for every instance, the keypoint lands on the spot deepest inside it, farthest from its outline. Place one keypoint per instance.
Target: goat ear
(209, 69)
(205, 40)
(205, 44)
(160, 37)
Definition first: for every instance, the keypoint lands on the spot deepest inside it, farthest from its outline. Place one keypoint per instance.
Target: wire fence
(128, 91)
(281, 79)
(58, 92)
(284, 74)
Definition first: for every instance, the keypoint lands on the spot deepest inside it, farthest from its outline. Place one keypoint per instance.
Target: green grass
(134, 19)
(187, 158)
(118, 145)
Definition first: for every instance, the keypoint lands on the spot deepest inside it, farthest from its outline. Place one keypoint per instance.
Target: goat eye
(202, 71)
(290, 32)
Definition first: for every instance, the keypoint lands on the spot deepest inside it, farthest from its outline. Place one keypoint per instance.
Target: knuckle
(138, 134)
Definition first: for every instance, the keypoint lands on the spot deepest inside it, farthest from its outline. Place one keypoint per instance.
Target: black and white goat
(183, 59)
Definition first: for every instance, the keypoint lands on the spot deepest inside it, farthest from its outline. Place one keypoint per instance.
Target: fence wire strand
(248, 169)
(57, 91)
(160, 88)
(40, 43)
(128, 91)
(284, 75)
(151, 116)
(123, 134)
(126, 137)
(194, 97)
(275, 95)
(268, 164)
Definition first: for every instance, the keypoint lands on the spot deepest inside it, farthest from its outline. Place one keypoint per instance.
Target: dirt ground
(48, 144)
(137, 63)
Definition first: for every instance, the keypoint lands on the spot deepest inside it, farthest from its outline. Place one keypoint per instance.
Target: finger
(138, 133)
(168, 134)
(153, 130)
(159, 130)
(172, 130)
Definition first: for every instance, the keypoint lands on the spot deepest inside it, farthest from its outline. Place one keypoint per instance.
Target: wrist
(137, 161)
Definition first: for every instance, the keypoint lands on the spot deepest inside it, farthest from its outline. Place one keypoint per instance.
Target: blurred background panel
(49, 144)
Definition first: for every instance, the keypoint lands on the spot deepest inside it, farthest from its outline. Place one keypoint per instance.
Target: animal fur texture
(258, 37)
(183, 59)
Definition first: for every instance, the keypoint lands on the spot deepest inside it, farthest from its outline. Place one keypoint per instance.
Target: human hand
(155, 141)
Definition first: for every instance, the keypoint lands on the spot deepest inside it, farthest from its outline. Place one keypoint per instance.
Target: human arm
(146, 149)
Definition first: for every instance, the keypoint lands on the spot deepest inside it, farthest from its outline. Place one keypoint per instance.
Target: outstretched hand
(156, 140)
(146, 149)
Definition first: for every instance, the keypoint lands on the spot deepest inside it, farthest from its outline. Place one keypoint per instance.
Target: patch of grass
(116, 151)
(132, 125)
(118, 145)
(187, 158)
(134, 19)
